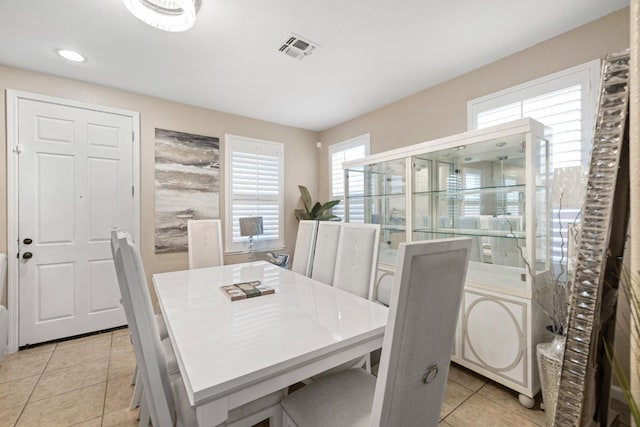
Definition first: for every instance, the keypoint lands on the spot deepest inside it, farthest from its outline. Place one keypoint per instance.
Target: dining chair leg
(136, 398)
(134, 376)
(144, 416)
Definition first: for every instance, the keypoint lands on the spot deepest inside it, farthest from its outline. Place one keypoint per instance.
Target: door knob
(27, 255)
(27, 241)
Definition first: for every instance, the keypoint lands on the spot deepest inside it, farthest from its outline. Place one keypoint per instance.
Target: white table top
(222, 345)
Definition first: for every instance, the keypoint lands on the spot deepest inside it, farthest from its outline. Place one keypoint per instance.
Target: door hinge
(18, 149)
(133, 136)
(133, 190)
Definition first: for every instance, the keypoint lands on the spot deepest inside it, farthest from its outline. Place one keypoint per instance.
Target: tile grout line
(106, 385)
(458, 406)
(35, 385)
(509, 410)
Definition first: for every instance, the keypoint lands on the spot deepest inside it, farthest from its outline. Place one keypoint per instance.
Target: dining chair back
(506, 250)
(419, 337)
(305, 244)
(204, 238)
(147, 346)
(416, 350)
(4, 314)
(3, 274)
(326, 251)
(357, 259)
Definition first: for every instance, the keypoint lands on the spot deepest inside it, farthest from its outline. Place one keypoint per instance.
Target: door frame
(12, 99)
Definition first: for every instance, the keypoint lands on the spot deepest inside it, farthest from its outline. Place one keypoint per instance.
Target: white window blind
(565, 102)
(254, 183)
(353, 149)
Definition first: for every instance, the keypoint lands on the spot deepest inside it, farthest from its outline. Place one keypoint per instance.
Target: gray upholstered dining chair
(416, 350)
(204, 237)
(326, 251)
(305, 244)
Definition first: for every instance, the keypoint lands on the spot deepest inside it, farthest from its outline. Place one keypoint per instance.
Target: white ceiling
(372, 52)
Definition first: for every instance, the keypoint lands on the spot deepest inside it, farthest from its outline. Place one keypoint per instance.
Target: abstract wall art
(187, 185)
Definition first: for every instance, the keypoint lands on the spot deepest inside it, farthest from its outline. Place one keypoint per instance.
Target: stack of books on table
(245, 290)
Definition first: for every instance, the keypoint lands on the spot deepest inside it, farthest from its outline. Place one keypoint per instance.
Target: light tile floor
(86, 382)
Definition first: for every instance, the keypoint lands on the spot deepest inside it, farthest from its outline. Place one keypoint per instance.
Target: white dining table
(234, 352)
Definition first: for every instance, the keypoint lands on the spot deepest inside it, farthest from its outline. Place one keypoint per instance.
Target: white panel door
(75, 177)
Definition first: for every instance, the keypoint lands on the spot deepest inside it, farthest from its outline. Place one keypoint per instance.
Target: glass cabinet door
(479, 191)
(376, 194)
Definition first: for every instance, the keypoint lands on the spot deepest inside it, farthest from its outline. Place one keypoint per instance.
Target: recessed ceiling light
(71, 55)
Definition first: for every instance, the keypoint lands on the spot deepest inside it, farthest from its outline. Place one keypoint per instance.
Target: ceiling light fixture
(71, 55)
(166, 15)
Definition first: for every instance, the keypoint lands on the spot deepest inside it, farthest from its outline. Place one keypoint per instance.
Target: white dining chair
(355, 271)
(164, 394)
(357, 259)
(158, 389)
(416, 350)
(507, 250)
(4, 314)
(169, 355)
(305, 244)
(326, 251)
(204, 238)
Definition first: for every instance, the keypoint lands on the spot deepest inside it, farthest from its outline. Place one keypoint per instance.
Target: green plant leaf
(306, 197)
(327, 206)
(302, 214)
(315, 210)
(329, 217)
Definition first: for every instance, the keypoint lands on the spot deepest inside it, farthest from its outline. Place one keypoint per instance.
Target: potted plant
(317, 211)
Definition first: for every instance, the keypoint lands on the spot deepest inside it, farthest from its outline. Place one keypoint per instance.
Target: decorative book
(245, 290)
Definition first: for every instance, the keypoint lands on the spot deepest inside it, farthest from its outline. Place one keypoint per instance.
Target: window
(352, 149)
(254, 187)
(565, 102)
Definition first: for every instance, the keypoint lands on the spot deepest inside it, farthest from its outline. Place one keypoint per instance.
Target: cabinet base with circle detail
(497, 339)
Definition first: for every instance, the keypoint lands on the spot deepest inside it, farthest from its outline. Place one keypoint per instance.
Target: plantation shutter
(560, 111)
(254, 188)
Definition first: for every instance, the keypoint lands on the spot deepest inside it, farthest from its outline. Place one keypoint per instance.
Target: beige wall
(442, 110)
(300, 149)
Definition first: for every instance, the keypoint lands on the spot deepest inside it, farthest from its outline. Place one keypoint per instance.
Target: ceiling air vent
(297, 47)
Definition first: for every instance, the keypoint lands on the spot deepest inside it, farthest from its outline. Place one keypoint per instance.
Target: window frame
(587, 75)
(364, 139)
(233, 143)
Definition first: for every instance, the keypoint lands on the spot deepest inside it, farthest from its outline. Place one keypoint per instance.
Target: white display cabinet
(490, 185)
